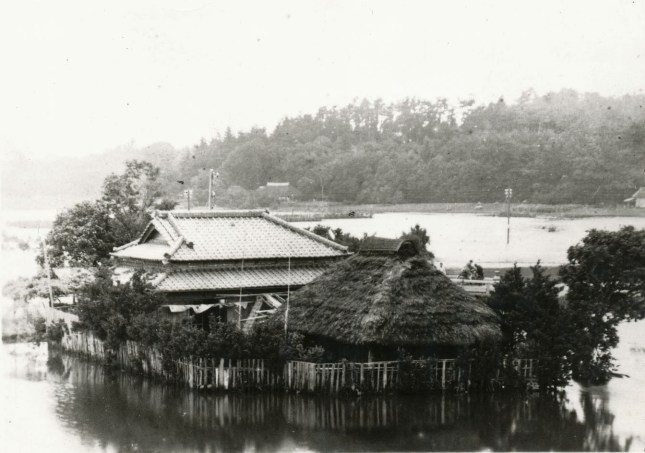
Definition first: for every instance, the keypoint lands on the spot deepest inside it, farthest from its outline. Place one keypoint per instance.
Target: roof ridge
(160, 227)
(237, 265)
(304, 232)
(125, 246)
(172, 222)
(176, 246)
(212, 214)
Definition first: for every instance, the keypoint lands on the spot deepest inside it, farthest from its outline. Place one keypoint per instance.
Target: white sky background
(81, 77)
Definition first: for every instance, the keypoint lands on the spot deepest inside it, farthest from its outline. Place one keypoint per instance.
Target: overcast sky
(82, 77)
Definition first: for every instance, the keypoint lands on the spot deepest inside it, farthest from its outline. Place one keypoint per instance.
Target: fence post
(443, 374)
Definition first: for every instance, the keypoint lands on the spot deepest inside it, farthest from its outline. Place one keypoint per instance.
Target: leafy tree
(561, 147)
(108, 310)
(507, 296)
(128, 198)
(86, 233)
(337, 235)
(82, 235)
(535, 324)
(606, 280)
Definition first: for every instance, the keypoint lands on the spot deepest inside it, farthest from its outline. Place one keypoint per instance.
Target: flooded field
(51, 402)
(457, 238)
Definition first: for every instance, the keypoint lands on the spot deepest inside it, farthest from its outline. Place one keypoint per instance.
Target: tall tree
(128, 197)
(535, 323)
(86, 234)
(82, 235)
(606, 280)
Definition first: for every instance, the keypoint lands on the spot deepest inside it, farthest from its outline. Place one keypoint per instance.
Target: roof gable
(226, 235)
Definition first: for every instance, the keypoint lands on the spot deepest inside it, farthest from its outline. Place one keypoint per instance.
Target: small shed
(385, 297)
(638, 198)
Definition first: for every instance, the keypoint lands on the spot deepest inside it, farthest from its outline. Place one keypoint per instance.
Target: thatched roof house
(381, 300)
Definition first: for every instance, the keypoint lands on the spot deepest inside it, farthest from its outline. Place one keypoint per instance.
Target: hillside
(563, 147)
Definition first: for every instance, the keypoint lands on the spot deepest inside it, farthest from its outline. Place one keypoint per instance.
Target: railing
(294, 376)
(475, 287)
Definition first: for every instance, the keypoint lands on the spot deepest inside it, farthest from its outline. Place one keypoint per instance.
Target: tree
(507, 296)
(109, 310)
(419, 232)
(87, 233)
(339, 236)
(82, 235)
(535, 324)
(606, 280)
(129, 197)
(420, 237)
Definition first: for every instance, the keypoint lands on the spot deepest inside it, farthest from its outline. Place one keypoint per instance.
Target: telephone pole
(212, 176)
(210, 189)
(188, 194)
(508, 193)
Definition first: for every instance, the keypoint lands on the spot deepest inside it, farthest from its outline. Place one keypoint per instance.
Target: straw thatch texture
(384, 300)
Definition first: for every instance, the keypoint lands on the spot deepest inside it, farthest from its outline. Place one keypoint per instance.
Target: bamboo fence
(294, 376)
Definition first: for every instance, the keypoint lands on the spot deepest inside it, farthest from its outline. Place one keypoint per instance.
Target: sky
(83, 77)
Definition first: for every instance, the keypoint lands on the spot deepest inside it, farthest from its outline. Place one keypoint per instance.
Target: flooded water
(54, 402)
(51, 402)
(457, 238)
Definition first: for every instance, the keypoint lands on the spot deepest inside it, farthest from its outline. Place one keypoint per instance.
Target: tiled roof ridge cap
(125, 246)
(176, 246)
(303, 232)
(209, 214)
(173, 224)
(236, 266)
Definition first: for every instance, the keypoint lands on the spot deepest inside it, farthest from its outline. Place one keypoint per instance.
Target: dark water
(53, 402)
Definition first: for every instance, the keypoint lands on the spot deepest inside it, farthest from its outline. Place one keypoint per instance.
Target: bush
(56, 331)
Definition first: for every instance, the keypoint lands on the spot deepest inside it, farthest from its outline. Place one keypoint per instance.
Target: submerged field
(457, 238)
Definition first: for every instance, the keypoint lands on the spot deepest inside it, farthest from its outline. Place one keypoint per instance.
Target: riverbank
(566, 211)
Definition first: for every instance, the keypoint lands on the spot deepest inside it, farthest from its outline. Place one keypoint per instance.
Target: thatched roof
(387, 300)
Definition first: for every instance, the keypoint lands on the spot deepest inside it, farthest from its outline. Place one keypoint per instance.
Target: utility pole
(212, 176)
(508, 193)
(210, 189)
(49, 271)
(286, 311)
(188, 193)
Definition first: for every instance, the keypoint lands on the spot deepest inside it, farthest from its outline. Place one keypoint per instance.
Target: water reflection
(123, 412)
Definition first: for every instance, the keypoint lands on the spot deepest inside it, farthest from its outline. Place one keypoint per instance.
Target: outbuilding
(385, 297)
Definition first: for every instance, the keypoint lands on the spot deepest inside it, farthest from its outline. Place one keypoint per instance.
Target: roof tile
(225, 279)
(232, 235)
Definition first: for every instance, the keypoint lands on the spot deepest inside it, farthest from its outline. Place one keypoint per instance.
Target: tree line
(562, 147)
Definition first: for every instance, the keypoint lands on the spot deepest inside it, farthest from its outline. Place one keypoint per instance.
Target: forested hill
(563, 147)
(559, 148)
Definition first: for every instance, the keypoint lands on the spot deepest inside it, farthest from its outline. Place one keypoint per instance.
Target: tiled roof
(227, 279)
(231, 235)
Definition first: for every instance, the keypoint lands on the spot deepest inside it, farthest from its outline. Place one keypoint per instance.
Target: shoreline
(564, 211)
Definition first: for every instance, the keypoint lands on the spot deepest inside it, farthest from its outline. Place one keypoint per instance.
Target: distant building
(638, 198)
(235, 265)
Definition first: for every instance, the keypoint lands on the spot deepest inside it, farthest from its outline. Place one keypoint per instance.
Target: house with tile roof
(237, 265)
(638, 198)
